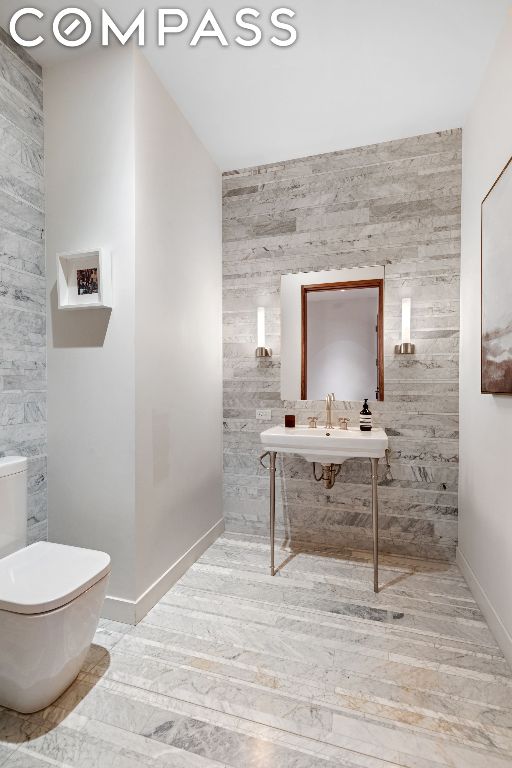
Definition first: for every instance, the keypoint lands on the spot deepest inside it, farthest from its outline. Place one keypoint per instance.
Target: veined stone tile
(29, 382)
(21, 183)
(20, 248)
(29, 358)
(36, 474)
(5, 753)
(422, 287)
(20, 219)
(22, 289)
(320, 254)
(22, 283)
(429, 581)
(295, 678)
(255, 507)
(398, 178)
(300, 489)
(26, 328)
(37, 508)
(331, 241)
(404, 522)
(402, 475)
(443, 263)
(20, 147)
(361, 539)
(35, 410)
(416, 146)
(18, 111)
(32, 157)
(414, 395)
(400, 206)
(325, 249)
(171, 719)
(390, 209)
(11, 413)
(20, 78)
(21, 53)
(424, 368)
(22, 434)
(447, 343)
(350, 163)
(236, 669)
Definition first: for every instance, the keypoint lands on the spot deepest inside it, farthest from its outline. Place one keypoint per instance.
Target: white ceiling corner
(361, 72)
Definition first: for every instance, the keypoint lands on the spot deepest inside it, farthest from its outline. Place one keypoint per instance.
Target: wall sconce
(262, 349)
(406, 348)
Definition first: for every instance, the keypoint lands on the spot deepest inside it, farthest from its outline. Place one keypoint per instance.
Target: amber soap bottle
(365, 418)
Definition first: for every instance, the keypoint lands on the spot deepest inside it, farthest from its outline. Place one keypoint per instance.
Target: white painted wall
(178, 337)
(342, 344)
(135, 404)
(485, 528)
(90, 202)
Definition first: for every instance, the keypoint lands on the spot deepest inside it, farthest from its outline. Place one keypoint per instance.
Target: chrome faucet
(329, 402)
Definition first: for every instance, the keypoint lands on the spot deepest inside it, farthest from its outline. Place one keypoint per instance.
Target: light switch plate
(264, 415)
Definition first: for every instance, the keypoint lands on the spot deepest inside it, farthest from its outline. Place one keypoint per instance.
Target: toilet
(51, 597)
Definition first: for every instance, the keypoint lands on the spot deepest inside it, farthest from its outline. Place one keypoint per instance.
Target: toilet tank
(13, 504)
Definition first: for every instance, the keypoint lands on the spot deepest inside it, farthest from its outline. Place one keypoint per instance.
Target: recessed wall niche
(84, 279)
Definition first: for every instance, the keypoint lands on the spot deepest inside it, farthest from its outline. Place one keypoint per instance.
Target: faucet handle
(312, 421)
(343, 422)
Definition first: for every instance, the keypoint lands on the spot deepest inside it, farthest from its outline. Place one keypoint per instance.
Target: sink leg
(272, 511)
(375, 521)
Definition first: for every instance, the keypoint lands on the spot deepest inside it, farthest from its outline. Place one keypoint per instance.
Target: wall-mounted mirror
(332, 334)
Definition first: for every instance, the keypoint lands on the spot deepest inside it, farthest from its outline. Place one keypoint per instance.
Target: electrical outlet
(264, 415)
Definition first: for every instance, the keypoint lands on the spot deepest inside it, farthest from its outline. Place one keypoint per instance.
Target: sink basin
(326, 446)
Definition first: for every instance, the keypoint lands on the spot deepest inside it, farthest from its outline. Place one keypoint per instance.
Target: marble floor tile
(310, 669)
(5, 752)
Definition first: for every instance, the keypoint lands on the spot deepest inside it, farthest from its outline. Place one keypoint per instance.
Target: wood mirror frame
(354, 285)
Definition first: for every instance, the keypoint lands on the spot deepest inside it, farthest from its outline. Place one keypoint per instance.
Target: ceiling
(362, 72)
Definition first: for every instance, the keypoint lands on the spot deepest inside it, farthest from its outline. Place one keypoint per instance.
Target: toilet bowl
(51, 597)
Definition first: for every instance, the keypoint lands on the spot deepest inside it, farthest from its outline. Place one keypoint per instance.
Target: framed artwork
(497, 286)
(87, 281)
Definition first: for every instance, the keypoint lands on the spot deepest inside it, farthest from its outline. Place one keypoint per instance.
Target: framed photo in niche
(84, 279)
(87, 281)
(497, 286)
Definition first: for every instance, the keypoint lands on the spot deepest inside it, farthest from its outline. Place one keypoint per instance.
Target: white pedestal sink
(327, 446)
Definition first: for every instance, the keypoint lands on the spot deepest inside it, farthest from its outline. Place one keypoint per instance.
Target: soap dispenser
(365, 419)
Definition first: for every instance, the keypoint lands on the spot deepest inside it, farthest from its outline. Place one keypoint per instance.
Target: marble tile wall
(395, 204)
(22, 273)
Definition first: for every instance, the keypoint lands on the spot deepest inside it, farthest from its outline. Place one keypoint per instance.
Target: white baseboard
(133, 611)
(118, 609)
(498, 629)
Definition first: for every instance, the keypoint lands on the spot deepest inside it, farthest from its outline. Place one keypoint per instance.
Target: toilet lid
(46, 576)
(12, 465)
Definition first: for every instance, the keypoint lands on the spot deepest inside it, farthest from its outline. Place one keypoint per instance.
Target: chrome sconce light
(406, 348)
(262, 350)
